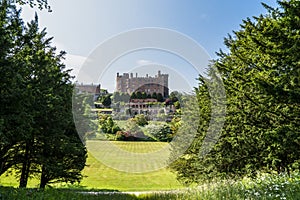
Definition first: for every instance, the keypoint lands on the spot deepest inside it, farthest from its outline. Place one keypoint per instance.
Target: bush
(107, 125)
(161, 132)
(140, 120)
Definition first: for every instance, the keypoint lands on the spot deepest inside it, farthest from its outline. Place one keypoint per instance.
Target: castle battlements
(128, 83)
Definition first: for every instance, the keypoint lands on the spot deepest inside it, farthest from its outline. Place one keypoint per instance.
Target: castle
(128, 84)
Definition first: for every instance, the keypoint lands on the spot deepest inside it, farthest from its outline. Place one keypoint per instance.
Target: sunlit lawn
(141, 156)
(127, 154)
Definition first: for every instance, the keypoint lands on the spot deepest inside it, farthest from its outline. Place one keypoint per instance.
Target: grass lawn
(132, 156)
(268, 187)
(100, 176)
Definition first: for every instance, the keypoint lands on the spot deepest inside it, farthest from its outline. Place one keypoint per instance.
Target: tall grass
(265, 187)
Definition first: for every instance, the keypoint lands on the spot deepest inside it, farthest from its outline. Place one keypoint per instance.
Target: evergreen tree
(160, 97)
(139, 95)
(261, 76)
(154, 95)
(106, 100)
(15, 119)
(36, 117)
(144, 95)
(133, 95)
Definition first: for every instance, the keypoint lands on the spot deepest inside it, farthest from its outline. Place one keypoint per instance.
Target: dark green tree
(41, 4)
(261, 76)
(154, 95)
(15, 119)
(36, 112)
(139, 95)
(144, 95)
(160, 97)
(51, 107)
(106, 100)
(133, 95)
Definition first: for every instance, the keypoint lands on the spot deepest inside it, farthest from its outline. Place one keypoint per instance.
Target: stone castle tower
(128, 83)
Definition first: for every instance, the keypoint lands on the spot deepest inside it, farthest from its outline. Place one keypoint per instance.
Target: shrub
(161, 133)
(140, 120)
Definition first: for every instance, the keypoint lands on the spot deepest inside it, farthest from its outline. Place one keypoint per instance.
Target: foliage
(133, 131)
(143, 95)
(133, 128)
(162, 133)
(41, 4)
(160, 97)
(120, 97)
(125, 136)
(62, 194)
(154, 95)
(105, 100)
(140, 120)
(107, 124)
(174, 99)
(133, 95)
(138, 95)
(175, 124)
(267, 187)
(82, 115)
(14, 117)
(261, 76)
(36, 91)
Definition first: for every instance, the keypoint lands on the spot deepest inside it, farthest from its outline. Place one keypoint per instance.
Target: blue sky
(79, 27)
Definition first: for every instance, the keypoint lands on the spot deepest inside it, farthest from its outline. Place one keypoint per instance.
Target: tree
(162, 133)
(261, 76)
(133, 130)
(14, 117)
(190, 167)
(106, 100)
(82, 114)
(133, 95)
(52, 103)
(140, 120)
(117, 97)
(37, 92)
(107, 125)
(144, 95)
(41, 4)
(63, 164)
(174, 96)
(160, 98)
(154, 95)
(139, 95)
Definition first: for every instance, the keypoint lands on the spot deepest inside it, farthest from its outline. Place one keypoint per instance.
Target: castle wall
(128, 83)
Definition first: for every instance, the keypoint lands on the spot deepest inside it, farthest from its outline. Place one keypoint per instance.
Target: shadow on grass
(11, 193)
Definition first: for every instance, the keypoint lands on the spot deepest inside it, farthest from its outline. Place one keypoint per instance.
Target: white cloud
(144, 62)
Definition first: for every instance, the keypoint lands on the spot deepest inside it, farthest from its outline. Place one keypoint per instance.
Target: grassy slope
(99, 176)
(102, 177)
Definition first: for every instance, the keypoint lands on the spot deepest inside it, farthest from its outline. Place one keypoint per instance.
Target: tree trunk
(44, 179)
(25, 169)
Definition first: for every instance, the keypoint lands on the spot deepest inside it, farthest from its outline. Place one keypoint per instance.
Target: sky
(82, 28)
